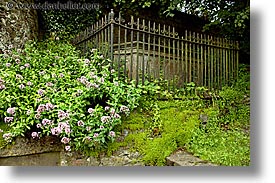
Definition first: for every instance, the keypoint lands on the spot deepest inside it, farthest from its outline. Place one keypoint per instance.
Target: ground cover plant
(47, 89)
(216, 131)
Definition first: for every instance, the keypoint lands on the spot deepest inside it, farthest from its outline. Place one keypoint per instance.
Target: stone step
(183, 158)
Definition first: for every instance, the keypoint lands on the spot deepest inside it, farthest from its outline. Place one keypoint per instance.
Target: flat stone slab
(27, 146)
(183, 158)
(43, 159)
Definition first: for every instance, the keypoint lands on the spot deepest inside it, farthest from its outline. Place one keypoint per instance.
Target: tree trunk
(17, 25)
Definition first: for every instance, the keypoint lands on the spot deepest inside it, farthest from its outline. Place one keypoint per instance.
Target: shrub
(47, 89)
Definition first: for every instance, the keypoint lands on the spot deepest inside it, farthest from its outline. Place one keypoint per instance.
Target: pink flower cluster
(21, 86)
(7, 136)
(18, 76)
(29, 83)
(91, 110)
(11, 110)
(45, 107)
(27, 65)
(49, 106)
(18, 61)
(61, 126)
(65, 140)
(124, 109)
(61, 75)
(87, 61)
(8, 119)
(37, 116)
(41, 92)
(101, 80)
(88, 138)
(112, 134)
(105, 119)
(62, 115)
(68, 148)
(35, 135)
(46, 122)
(79, 92)
(114, 114)
(2, 86)
(49, 84)
(80, 123)
(107, 108)
(85, 82)
(64, 126)
(88, 128)
(56, 131)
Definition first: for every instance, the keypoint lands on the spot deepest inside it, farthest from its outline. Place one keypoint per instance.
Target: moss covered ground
(178, 125)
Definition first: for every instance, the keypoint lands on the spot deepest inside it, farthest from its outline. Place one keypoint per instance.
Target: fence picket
(132, 40)
(168, 66)
(143, 48)
(198, 59)
(125, 51)
(159, 61)
(164, 55)
(226, 61)
(174, 60)
(154, 52)
(137, 61)
(190, 57)
(119, 61)
(214, 63)
(178, 81)
(186, 57)
(183, 61)
(148, 53)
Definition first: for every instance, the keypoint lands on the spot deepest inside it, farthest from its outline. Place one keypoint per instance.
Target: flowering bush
(47, 89)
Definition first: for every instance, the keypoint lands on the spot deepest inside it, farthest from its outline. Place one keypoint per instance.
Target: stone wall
(49, 151)
(16, 25)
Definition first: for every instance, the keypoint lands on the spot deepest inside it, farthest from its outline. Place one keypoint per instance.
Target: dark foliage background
(229, 18)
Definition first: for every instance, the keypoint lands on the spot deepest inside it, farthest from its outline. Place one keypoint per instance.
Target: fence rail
(144, 50)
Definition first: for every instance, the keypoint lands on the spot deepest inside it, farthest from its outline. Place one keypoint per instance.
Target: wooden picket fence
(144, 50)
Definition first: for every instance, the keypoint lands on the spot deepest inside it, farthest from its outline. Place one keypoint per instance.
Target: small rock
(203, 119)
(63, 163)
(125, 132)
(135, 155)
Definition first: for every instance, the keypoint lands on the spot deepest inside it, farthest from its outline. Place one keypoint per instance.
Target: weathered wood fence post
(111, 19)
